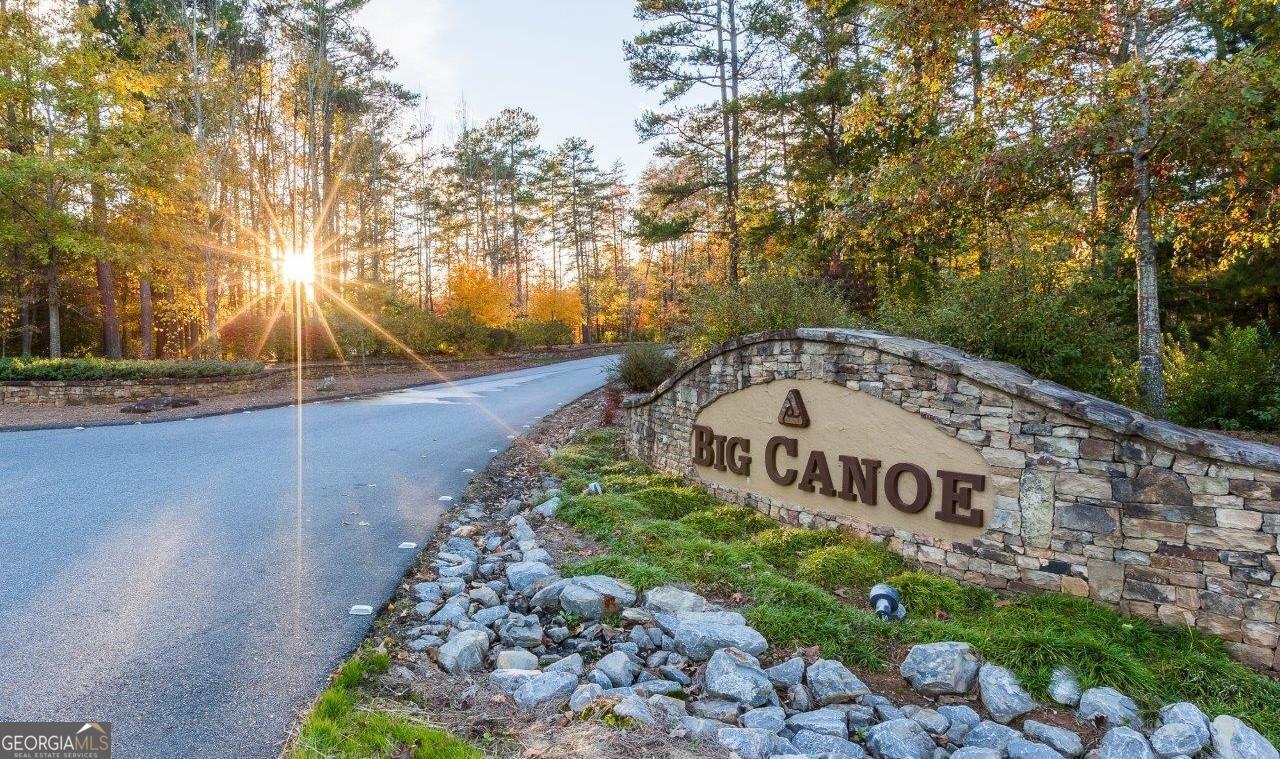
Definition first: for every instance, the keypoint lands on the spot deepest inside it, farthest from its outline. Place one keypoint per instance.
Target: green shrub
(784, 546)
(672, 502)
(1075, 333)
(1232, 382)
(728, 522)
(643, 367)
(763, 302)
(69, 369)
(534, 333)
(856, 564)
(925, 594)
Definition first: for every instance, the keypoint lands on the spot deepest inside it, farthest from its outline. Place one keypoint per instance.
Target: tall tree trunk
(728, 117)
(1150, 348)
(111, 342)
(147, 330)
(54, 299)
(26, 326)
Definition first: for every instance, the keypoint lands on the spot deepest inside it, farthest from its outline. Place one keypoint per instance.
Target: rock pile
(670, 659)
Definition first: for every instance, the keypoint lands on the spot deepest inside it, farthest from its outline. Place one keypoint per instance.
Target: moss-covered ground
(808, 587)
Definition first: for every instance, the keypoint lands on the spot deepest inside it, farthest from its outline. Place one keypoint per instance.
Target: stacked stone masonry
(1092, 499)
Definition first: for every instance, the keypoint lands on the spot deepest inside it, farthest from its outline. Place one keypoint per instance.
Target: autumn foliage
(486, 299)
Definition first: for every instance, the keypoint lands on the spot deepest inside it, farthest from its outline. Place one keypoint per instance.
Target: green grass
(80, 369)
(806, 587)
(344, 723)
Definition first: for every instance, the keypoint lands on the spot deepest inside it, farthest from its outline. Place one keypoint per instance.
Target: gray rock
(750, 743)
(992, 735)
(827, 721)
(975, 752)
(619, 667)
(937, 668)
(485, 596)
(516, 658)
(1002, 694)
(464, 652)
(599, 678)
(583, 696)
(486, 617)
(521, 632)
(654, 687)
(621, 593)
(699, 639)
(834, 747)
(426, 642)
(963, 719)
(1059, 739)
(799, 698)
(583, 601)
(545, 688)
(786, 674)
(1109, 707)
(716, 709)
(1124, 743)
(571, 664)
(1188, 714)
(1064, 687)
(674, 674)
(1233, 739)
(832, 683)
(668, 599)
(884, 708)
(1177, 739)
(668, 711)
(510, 680)
(453, 610)
(859, 716)
(736, 675)
(1021, 748)
(428, 591)
(548, 507)
(770, 718)
(634, 707)
(522, 574)
(900, 739)
(520, 529)
(641, 638)
(932, 721)
(700, 729)
(452, 586)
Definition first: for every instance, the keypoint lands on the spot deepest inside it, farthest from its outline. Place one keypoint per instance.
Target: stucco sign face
(826, 449)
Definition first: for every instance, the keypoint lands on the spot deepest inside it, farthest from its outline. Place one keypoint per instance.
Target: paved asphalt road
(160, 576)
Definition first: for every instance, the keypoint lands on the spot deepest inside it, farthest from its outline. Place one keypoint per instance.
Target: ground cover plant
(103, 369)
(808, 588)
(345, 722)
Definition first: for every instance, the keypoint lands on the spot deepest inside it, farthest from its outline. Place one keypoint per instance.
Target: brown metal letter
(924, 488)
(789, 444)
(816, 469)
(704, 452)
(957, 499)
(859, 474)
(739, 463)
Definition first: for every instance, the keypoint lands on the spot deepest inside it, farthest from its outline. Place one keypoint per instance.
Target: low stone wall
(95, 392)
(1085, 497)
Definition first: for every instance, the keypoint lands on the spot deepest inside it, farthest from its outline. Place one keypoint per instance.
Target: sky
(561, 60)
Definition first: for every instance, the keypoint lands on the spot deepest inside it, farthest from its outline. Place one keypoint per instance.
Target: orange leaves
(473, 290)
(550, 305)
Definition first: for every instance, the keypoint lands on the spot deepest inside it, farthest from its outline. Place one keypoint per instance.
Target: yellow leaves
(473, 290)
(551, 305)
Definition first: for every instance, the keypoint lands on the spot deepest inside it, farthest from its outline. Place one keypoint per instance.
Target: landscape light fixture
(887, 602)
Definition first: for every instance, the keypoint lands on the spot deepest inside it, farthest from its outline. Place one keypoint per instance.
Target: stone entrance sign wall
(976, 470)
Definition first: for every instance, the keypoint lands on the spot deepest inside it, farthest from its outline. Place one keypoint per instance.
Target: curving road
(161, 577)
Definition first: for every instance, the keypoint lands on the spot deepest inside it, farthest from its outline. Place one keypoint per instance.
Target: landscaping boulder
(821, 744)
(620, 668)
(1109, 707)
(735, 675)
(571, 664)
(1233, 739)
(1060, 739)
(516, 658)
(937, 668)
(1125, 743)
(464, 652)
(900, 739)
(668, 599)
(545, 688)
(1188, 714)
(521, 631)
(584, 695)
(832, 683)
(522, 574)
(828, 721)
(634, 708)
(751, 743)
(992, 735)
(699, 639)
(1002, 694)
(1021, 748)
(1064, 687)
(510, 680)
(786, 674)
(771, 718)
(700, 729)
(963, 719)
(1177, 739)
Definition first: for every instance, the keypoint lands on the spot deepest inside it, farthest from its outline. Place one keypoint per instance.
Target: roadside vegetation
(643, 367)
(807, 588)
(346, 722)
(102, 369)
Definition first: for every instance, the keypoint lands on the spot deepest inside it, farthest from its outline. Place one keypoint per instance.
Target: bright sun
(298, 267)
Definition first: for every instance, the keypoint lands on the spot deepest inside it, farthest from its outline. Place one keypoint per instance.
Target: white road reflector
(361, 610)
(407, 544)
(511, 437)
(493, 450)
(446, 498)
(79, 428)
(468, 470)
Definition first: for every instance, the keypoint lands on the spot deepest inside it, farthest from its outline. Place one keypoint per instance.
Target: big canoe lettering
(860, 480)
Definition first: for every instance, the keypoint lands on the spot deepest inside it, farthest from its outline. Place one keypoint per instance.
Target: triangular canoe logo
(793, 413)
